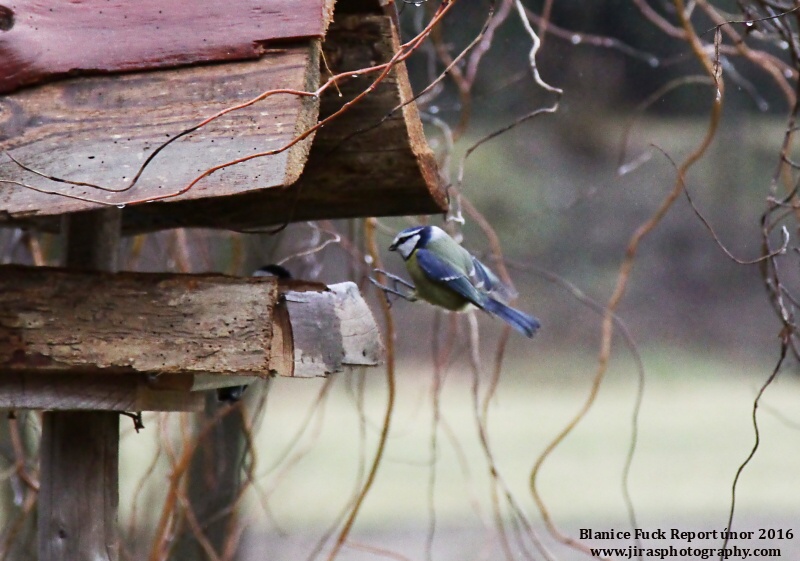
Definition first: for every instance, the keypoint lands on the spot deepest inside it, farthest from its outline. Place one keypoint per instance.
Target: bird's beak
(393, 247)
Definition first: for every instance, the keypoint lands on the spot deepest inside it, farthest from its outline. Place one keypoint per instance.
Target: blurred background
(564, 192)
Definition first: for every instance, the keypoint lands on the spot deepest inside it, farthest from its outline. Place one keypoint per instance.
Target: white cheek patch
(407, 247)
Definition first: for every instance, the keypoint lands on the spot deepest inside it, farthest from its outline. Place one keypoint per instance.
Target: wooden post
(79, 492)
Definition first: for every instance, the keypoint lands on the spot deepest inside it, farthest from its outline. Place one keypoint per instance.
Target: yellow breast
(434, 292)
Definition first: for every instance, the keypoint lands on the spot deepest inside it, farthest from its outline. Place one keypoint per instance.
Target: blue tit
(447, 275)
(273, 270)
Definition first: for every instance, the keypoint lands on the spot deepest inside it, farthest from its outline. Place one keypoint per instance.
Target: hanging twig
(373, 251)
(757, 441)
(623, 276)
(382, 70)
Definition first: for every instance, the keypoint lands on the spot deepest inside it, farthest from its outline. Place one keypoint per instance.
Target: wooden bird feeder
(89, 93)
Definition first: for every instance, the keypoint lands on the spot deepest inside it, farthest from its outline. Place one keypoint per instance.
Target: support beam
(79, 492)
(90, 392)
(92, 240)
(143, 341)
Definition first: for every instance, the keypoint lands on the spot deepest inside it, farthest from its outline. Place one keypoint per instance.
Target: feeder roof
(93, 89)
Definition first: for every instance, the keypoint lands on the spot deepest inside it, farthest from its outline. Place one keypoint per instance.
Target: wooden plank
(190, 328)
(47, 39)
(73, 392)
(359, 164)
(371, 161)
(92, 244)
(53, 320)
(100, 130)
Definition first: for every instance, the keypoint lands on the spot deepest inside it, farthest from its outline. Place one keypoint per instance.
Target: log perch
(331, 330)
(136, 341)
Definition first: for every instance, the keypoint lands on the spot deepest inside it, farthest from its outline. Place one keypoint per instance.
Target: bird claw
(393, 289)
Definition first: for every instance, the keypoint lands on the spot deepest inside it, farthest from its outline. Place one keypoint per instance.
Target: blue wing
(443, 272)
(488, 281)
(483, 275)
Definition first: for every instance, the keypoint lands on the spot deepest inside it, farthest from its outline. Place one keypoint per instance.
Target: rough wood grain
(174, 333)
(332, 331)
(73, 392)
(53, 320)
(79, 491)
(372, 161)
(100, 130)
(359, 164)
(47, 39)
(23, 390)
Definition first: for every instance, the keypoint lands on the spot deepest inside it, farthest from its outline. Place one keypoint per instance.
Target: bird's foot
(396, 281)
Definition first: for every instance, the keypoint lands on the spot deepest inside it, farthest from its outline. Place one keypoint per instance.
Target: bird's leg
(395, 278)
(393, 289)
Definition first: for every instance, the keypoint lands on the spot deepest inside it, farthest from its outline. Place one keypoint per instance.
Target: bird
(447, 275)
(272, 270)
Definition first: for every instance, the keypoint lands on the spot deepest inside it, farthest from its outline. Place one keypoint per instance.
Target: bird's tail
(522, 322)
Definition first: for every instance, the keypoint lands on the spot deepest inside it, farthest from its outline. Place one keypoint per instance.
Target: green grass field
(695, 429)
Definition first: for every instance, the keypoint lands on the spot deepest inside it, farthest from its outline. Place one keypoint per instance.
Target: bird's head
(410, 239)
(273, 270)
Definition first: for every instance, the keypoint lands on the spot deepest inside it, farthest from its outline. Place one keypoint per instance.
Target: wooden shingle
(121, 102)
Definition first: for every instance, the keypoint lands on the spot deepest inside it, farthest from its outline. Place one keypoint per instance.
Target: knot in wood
(6, 18)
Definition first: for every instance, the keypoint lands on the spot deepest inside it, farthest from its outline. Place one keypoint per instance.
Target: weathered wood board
(90, 392)
(55, 320)
(79, 486)
(370, 161)
(331, 331)
(41, 40)
(128, 341)
(373, 160)
(100, 129)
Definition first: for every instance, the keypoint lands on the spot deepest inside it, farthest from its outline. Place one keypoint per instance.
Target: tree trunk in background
(15, 496)
(214, 482)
